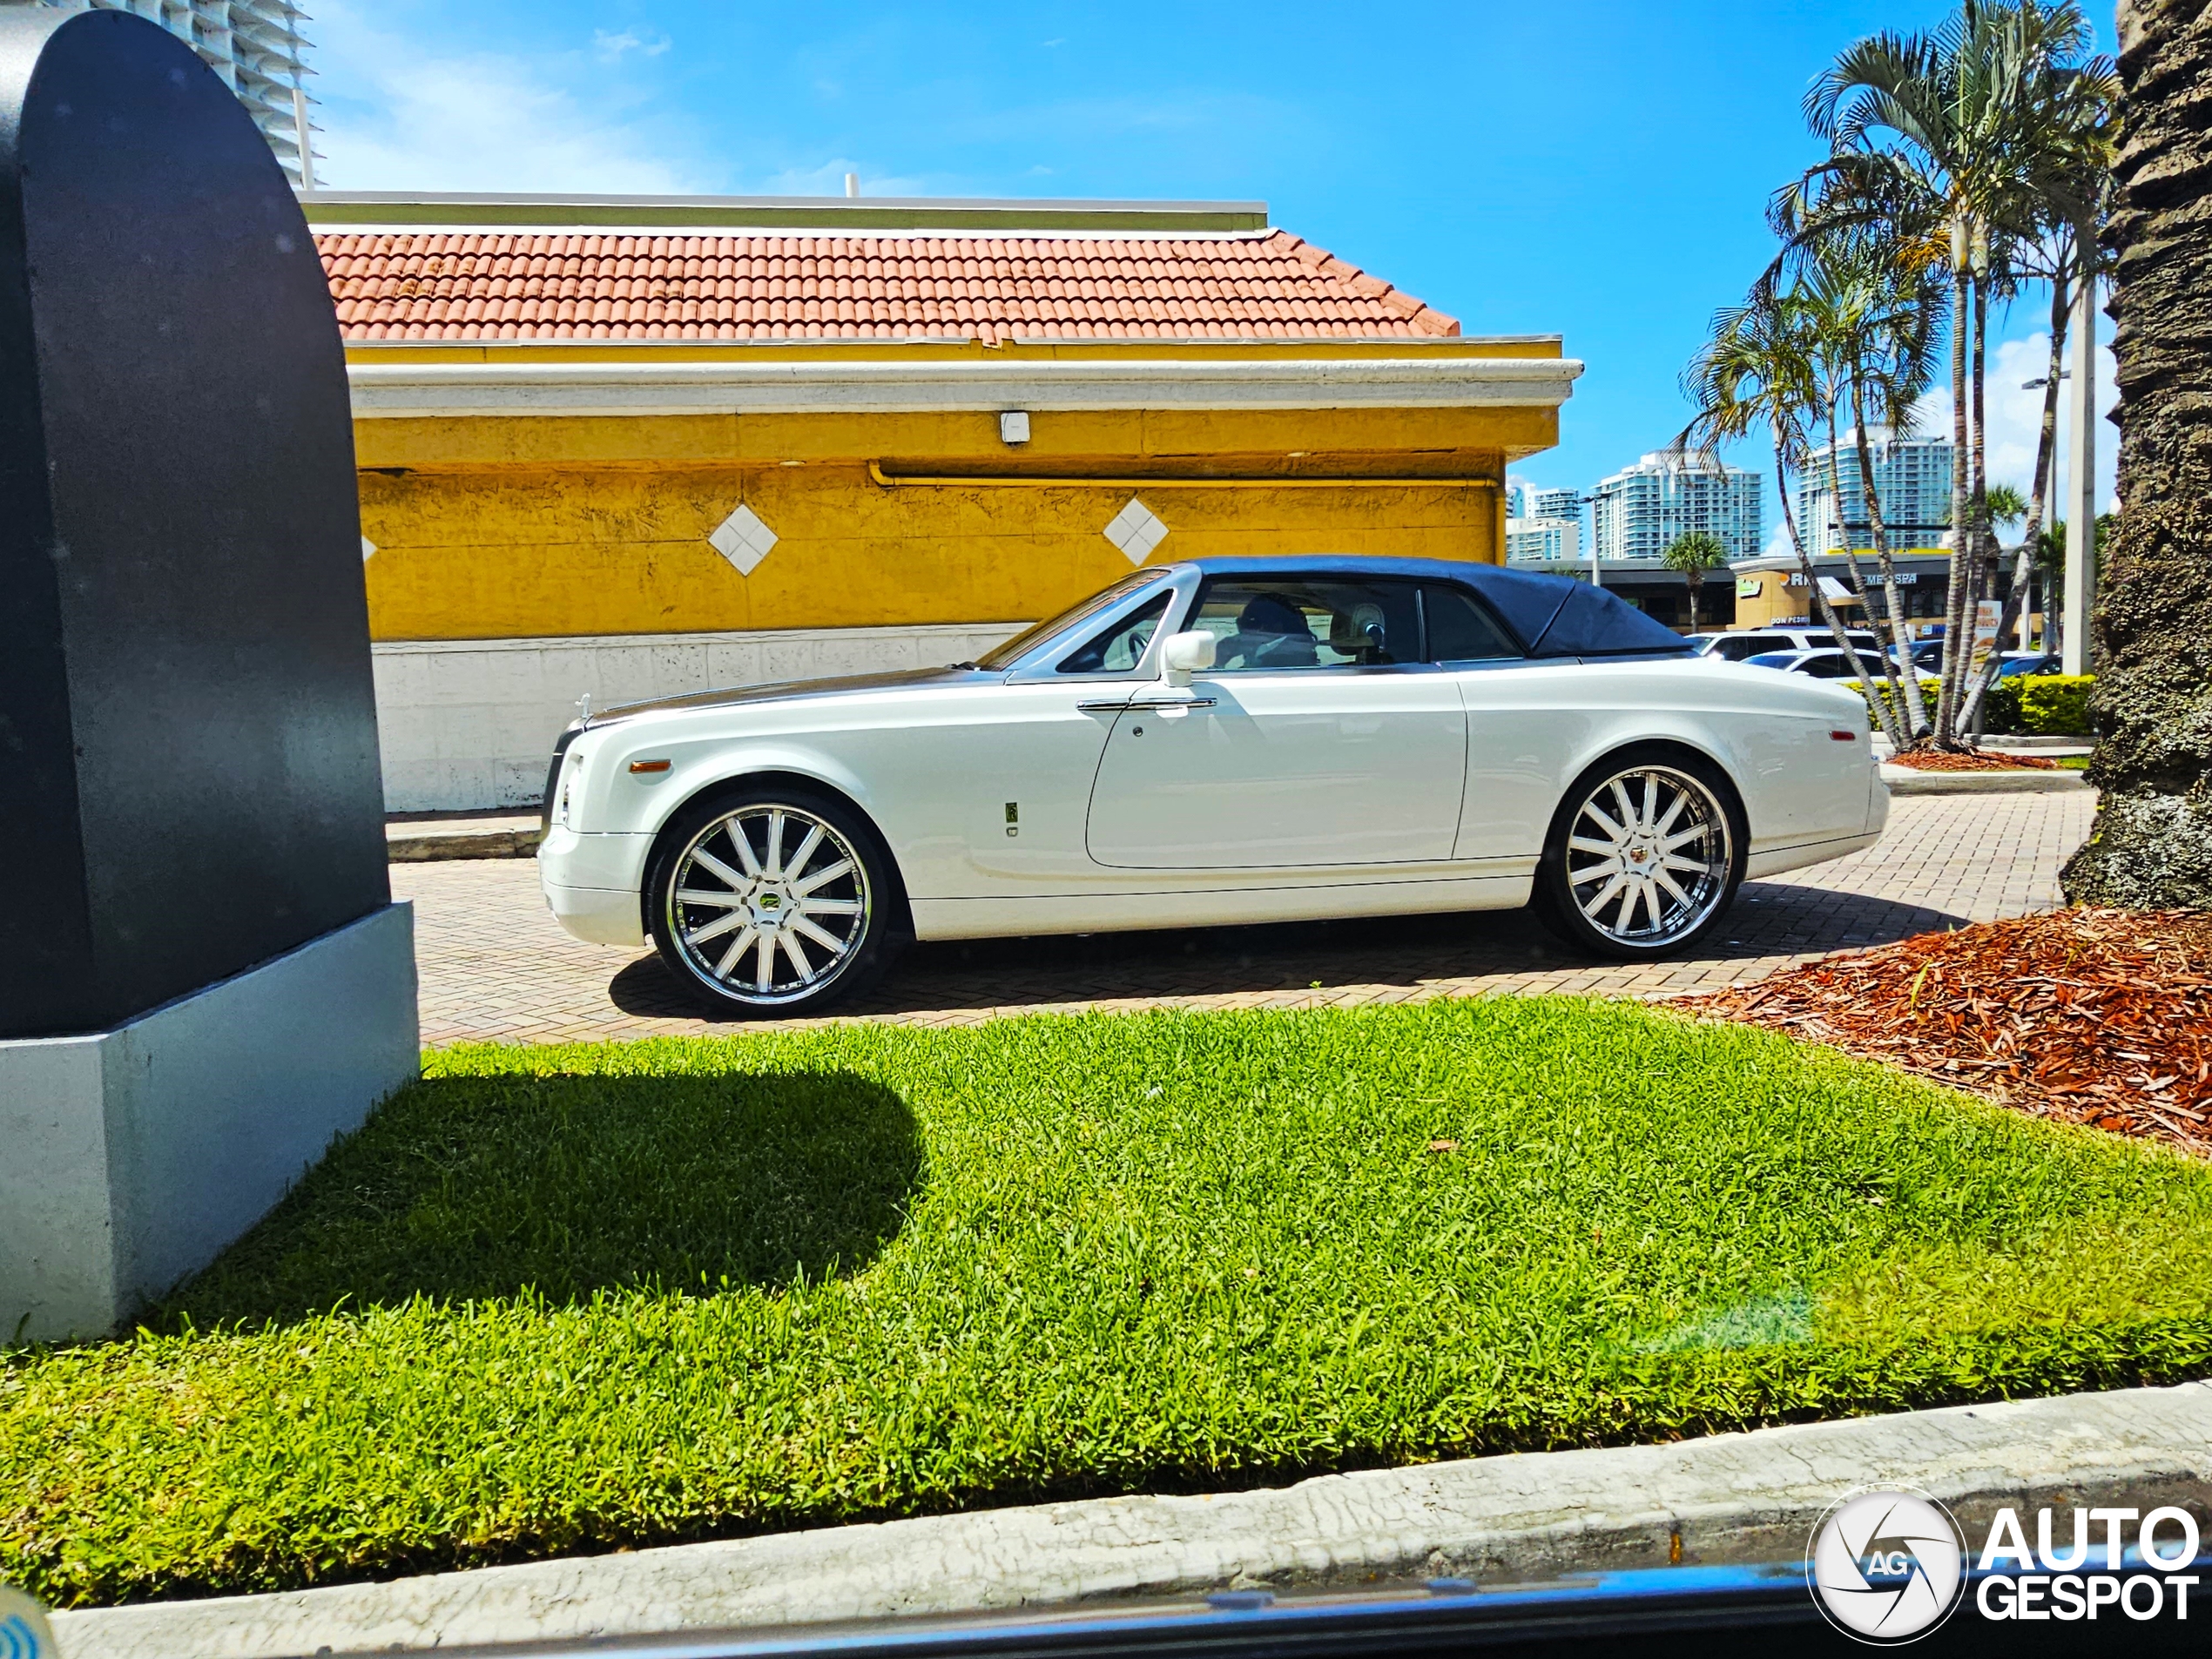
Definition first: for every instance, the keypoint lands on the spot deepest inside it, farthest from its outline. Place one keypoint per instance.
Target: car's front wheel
(772, 900)
(1644, 857)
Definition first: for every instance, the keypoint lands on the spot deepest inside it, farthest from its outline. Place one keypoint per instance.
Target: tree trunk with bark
(2152, 844)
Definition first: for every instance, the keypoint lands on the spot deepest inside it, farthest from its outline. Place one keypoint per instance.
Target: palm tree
(1946, 148)
(1693, 553)
(1761, 370)
(1872, 346)
(2152, 843)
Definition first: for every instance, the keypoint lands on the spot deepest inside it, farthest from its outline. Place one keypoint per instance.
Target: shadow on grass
(476, 1187)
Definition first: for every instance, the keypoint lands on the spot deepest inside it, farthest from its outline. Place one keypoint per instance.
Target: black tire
(1569, 867)
(757, 953)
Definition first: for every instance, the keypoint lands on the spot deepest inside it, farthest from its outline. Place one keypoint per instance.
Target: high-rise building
(1525, 500)
(1549, 538)
(1638, 510)
(1911, 475)
(255, 45)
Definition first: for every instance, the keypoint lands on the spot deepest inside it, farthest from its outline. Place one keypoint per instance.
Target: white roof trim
(419, 390)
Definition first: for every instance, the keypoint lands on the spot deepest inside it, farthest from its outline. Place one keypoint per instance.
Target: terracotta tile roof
(497, 286)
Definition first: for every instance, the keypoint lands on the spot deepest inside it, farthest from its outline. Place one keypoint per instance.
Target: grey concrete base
(133, 1156)
(1909, 780)
(1731, 1497)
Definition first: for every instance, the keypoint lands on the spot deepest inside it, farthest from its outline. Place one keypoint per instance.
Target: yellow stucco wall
(535, 526)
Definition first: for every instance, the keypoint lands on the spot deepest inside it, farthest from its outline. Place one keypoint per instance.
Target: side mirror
(1187, 654)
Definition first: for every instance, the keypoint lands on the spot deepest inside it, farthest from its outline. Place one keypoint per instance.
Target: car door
(1319, 738)
(1523, 718)
(1029, 751)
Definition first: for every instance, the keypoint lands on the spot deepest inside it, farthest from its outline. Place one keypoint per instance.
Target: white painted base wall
(468, 725)
(128, 1158)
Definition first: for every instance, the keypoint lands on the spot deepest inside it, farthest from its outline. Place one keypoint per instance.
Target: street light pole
(2049, 485)
(2082, 483)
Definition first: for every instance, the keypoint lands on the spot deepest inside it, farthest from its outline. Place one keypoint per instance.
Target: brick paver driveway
(493, 965)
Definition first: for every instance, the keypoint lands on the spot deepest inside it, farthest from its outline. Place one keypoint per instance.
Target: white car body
(1022, 800)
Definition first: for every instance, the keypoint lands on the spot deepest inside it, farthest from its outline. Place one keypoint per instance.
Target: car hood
(786, 691)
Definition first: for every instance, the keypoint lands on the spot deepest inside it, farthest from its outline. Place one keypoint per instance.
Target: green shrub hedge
(2000, 709)
(2055, 704)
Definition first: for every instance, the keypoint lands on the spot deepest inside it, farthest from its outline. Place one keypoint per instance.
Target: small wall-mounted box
(1014, 426)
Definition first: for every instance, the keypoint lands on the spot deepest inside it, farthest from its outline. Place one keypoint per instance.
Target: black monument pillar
(202, 976)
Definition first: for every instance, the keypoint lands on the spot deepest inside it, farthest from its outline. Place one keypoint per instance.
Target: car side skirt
(1222, 907)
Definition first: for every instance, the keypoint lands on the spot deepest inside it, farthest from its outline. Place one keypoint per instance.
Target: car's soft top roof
(1553, 616)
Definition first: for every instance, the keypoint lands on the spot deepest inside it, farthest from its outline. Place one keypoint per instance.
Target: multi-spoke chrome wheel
(1649, 857)
(768, 903)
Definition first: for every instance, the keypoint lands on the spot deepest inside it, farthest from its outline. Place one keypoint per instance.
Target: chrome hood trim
(788, 691)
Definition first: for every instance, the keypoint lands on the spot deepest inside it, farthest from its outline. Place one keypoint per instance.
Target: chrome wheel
(1649, 854)
(768, 904)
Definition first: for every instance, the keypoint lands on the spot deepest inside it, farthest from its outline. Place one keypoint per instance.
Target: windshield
(1020, 646)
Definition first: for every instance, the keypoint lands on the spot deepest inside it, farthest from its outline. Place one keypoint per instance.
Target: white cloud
(395, 116)
(2015, 414)
(610, 48)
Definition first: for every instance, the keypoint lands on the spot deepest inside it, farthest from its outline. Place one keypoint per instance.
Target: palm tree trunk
(1916, 710)
(2046, 440)
(1954, 606)
(1827, 612)
(1694, 580)
(1887, 709)
(2152, 843)
(1984, 540)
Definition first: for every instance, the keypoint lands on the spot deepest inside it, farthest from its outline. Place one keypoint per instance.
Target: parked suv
(1735, 647)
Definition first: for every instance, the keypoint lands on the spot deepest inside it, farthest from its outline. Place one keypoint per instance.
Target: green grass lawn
(2072, 763)
(555, 1299)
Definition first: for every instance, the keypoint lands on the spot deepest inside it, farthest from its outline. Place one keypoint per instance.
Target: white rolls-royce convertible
(1220, 741)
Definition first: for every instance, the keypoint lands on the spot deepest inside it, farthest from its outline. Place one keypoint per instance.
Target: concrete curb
(461, 837)
(1740, 1497)
(1907, 780)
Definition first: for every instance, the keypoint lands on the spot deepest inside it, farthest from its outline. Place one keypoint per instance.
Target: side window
(1122, 646)
(1461, 630)
(1261, 623)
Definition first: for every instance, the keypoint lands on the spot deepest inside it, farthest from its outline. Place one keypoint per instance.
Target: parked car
(1830, 665)
(2014, 664)
(1736, 647)
(1214, 742)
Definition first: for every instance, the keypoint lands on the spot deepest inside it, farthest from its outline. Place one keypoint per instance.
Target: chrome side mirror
(1187, 654)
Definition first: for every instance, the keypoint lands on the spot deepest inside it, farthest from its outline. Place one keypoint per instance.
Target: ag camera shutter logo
(1886, 1566)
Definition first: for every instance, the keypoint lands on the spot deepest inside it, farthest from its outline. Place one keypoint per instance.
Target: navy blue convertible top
(1552, 616)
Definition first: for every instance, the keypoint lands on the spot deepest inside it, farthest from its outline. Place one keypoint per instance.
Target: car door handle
(1147, 703)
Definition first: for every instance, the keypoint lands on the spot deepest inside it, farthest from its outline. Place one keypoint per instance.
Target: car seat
(1271, 633)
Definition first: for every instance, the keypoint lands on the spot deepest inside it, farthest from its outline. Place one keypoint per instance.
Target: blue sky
(1595, 170)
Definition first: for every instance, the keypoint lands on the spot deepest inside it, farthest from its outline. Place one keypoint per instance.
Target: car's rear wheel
(772, 900)
(1644, 857)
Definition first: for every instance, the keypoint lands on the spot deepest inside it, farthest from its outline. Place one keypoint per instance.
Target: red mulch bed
(1971, 761)
(2101, 1017)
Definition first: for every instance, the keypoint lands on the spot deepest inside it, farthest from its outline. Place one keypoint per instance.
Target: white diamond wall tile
(1136, 529)
(743, 539)
(369, 550)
